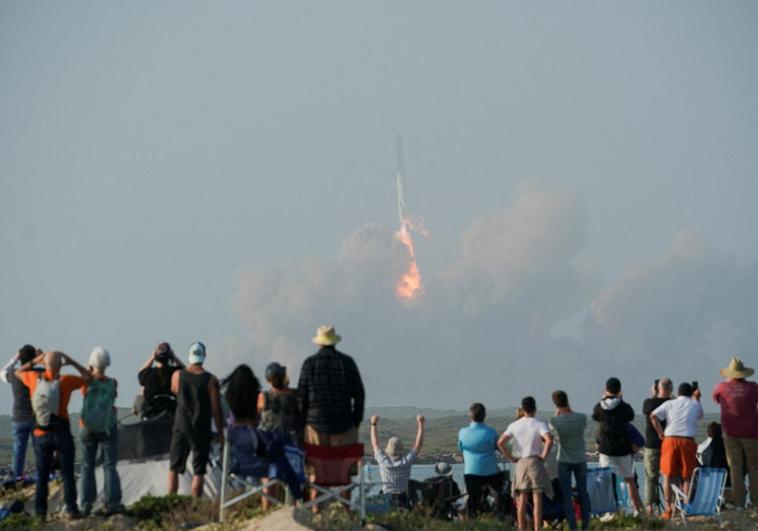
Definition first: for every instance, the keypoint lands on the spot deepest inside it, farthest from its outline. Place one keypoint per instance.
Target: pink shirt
(739, 408)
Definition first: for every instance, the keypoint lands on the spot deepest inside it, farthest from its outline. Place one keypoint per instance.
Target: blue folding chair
(600, 488)
(623, 500)
(708, 485)
(243, 467)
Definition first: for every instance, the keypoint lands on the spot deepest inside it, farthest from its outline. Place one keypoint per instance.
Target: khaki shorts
(531, 475)
(317, 438)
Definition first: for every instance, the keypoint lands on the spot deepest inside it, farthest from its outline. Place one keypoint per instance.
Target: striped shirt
(395, 473)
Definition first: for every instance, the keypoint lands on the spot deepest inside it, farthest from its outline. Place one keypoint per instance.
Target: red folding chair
(331, 467)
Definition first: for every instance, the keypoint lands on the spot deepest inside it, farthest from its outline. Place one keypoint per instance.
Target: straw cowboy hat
(736, 369)
(326, 336)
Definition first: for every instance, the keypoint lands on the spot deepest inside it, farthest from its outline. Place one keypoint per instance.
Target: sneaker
(666, 515)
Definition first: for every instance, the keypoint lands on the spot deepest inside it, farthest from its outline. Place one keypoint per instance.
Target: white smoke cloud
(683, 315)
(482, 329)
(481, 319)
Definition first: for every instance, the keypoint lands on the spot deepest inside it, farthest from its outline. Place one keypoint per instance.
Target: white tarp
(139, 478)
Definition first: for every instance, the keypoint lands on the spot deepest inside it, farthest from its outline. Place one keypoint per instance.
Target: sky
(185, 171)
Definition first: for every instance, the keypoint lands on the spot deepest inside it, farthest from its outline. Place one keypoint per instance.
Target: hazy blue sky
(151, 152)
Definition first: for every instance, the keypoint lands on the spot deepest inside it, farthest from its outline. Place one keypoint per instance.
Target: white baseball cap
(197, 353)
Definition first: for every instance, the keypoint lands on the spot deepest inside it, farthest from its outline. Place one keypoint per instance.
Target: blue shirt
(478, 442)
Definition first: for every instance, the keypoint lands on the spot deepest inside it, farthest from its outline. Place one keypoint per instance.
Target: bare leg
(313, 494)
(173, 482)
(265, 503)
(197, 486)
(634, 493)
(537, 514)
(521, 510)
(666, 493)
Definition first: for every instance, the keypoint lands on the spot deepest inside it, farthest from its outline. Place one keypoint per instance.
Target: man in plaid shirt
(330, 394)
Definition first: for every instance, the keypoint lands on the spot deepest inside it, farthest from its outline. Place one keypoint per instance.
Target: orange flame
(409, 284)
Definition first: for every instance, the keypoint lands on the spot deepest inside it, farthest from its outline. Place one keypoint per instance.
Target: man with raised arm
(614, 442)
(660, 393)
(679, 449)
(50, 394)
(23, 415)
(394, 466)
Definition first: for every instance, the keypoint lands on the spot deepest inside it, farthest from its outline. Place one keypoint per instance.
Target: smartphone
(655, 385)
(694, 386)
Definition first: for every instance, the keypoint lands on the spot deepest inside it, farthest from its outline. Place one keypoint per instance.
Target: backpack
(97, 409)
(45, 401)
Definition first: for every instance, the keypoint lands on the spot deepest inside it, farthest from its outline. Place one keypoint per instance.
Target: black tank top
(193, 406)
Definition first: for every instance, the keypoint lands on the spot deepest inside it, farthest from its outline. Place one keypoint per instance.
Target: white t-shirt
(527, 435)
(681, 416)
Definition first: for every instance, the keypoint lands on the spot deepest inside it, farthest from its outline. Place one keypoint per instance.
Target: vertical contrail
(399, 174)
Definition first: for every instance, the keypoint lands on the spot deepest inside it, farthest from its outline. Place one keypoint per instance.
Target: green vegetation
(22, 521)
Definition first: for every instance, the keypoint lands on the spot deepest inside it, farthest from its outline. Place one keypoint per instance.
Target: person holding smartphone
(660, 393)
(679, 449)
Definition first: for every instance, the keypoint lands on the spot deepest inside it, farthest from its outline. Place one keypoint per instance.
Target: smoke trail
(409, 284)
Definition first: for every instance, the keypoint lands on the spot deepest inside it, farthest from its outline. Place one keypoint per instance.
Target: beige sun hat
(394, 448)
(736, 369)
(326, 336)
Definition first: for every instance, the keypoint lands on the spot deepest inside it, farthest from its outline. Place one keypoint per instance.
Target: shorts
(531, 475)
(624, 464)
(318, 438)
(678, 457)
(180, 448)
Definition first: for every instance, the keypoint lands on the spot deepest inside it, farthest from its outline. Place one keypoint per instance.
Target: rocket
(399, 174)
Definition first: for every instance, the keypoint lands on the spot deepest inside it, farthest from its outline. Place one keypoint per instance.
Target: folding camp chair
(243, 468)
(708, 485)
(600, 488)
(332, 465)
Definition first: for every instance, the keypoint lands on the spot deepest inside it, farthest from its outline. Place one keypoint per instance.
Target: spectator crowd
(327, 409)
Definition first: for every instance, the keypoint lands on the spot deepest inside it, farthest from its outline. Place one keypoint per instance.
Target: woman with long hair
(241, 394)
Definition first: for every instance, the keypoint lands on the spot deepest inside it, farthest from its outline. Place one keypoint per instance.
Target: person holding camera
(50, 393)
(679, 449)
(660, 393)
(155, 379)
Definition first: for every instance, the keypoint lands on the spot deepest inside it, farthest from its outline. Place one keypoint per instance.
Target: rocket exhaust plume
(409, 285)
